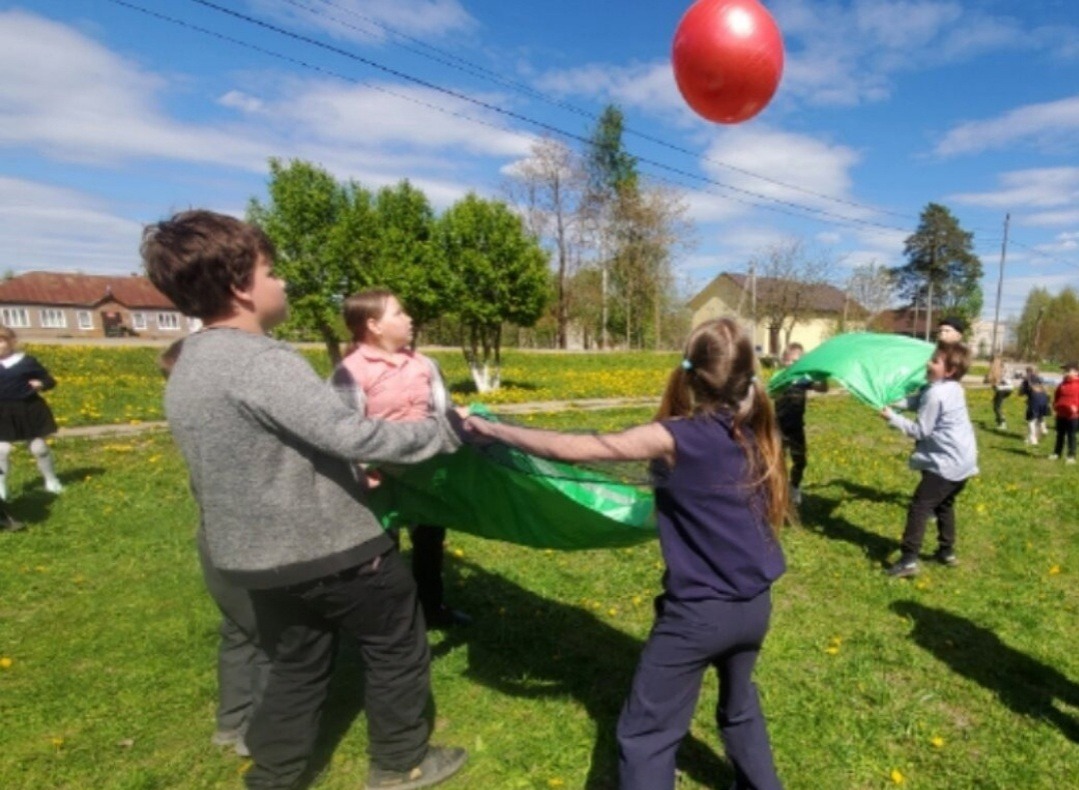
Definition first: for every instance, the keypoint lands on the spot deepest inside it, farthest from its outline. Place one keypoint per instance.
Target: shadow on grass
(468, 386)
(33, 504)
(1025, 685)
(818, 514)
(524, 645)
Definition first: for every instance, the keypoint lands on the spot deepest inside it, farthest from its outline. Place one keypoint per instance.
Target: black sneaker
(946, 558)
(902, 569)
(440, 764)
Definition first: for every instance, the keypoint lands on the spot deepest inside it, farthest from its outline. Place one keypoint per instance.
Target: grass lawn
(960, 678)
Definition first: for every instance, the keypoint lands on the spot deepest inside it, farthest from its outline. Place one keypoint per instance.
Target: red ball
(728, 58)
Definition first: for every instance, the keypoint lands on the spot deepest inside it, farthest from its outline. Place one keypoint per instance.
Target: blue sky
(111, 118)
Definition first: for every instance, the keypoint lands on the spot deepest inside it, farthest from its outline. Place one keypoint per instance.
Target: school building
(48, 305)
(820, 310)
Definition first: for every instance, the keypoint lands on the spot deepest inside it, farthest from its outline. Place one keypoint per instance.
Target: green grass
(112, 638)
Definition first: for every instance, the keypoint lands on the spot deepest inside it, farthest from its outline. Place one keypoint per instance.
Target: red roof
(82, 290)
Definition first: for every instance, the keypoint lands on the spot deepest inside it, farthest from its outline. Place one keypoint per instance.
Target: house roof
(821, 298)
(82, 290)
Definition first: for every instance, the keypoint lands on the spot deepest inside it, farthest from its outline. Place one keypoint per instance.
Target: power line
(469, 67)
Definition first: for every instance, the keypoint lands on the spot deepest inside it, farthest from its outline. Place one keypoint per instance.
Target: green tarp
(879, 369)
(501, 493)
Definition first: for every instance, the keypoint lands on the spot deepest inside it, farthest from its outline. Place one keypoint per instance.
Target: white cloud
(69, 97)
(1046, 125)
(48, 227)
(1040, 188)
(644, 86)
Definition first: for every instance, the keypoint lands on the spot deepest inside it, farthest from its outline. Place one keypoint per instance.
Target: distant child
(945, 453)
(384, 377)
(242, 666)
(1066, 409)
(790, 407)
(269, 448)
(1033, 389)
(721, 495)
(24, 414)
(997, 378)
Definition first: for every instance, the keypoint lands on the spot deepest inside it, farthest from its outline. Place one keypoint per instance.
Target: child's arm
(644, 442)
(282, 392)
(37, 373)
(926, 420)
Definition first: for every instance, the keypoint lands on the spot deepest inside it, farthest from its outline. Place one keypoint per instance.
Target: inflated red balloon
(728, 58)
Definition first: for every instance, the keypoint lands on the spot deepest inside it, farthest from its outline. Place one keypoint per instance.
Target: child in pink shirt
(384, 377)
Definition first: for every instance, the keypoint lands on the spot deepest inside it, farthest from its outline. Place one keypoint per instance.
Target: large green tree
(942, 274)
(406, 255)
(1049, 326)
(499, 276)
(322, 231)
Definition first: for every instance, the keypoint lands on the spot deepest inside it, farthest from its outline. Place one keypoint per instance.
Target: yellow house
(777, 312)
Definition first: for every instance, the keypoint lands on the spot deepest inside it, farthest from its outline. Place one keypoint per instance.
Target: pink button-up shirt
(397, 386)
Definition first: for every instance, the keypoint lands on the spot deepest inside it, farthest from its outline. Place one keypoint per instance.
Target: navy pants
(687, 639)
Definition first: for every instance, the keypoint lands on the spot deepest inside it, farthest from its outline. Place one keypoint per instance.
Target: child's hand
(36, 385)
(480, 431)
(373, 478)
(886, 413)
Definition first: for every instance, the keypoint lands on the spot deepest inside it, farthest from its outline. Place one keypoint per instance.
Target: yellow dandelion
(832, 650)
(897, 777)
(555, 782)
(612, 612)
(1053, 571)
(57, 742)
(6, 662)
(936, 741)
(637, 600)
(458, 553)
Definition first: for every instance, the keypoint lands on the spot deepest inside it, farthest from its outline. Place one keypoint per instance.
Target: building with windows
(43, 305)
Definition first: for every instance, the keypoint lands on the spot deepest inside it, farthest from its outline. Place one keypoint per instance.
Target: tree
(550, 187)
(319, 228)
(406, 257)
(873, 288)
(791, 275)
(942, 272)
(500, 276)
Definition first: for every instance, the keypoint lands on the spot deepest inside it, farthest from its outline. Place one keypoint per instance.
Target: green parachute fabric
(879, 369)
(500, 493)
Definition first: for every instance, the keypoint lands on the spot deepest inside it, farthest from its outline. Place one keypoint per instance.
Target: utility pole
(753, 299)
(1000, 285)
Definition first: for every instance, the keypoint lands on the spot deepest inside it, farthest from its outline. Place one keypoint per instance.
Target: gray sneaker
(902, 569)
(946, 558)
(440, 763)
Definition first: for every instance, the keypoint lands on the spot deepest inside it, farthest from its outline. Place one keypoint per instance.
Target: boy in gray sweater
(269, 448)
(945, 452)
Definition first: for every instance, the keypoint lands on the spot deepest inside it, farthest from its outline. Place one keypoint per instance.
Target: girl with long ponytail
(721, 495)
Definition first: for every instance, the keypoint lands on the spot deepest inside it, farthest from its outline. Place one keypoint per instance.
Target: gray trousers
(242, 666)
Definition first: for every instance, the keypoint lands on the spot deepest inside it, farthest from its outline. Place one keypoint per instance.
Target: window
(85, 319)
(170, 321)
(51, 318)
(138, 321)
(14, 317)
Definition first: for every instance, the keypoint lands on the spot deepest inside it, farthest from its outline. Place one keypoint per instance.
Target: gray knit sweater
(268, 446)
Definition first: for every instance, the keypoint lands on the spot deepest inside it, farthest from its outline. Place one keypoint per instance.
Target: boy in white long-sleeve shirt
(945, 452)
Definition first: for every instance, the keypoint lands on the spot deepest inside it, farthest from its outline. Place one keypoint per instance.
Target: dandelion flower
(1053, 571)
(5, 663)
(937, 741)
(897, 777)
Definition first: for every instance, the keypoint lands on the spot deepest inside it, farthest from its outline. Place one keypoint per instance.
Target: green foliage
(942, 270)
(960, 678)
(500, 273)
(1049, 325)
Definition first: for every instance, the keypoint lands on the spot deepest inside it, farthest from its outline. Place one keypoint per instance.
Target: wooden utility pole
(1000, 285)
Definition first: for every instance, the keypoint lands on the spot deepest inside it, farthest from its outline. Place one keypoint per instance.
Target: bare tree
(872, 287)
(549, 188)
(790, 277)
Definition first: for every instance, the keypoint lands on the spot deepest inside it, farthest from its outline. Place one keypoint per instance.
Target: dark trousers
(1066, 430)
(242, 666)
(686, 639)
(934, 496)
(999, 396)
(376, 604)
(427, 555)
(794, 442)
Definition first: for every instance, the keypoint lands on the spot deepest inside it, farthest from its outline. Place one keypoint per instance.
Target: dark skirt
(23, 420)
